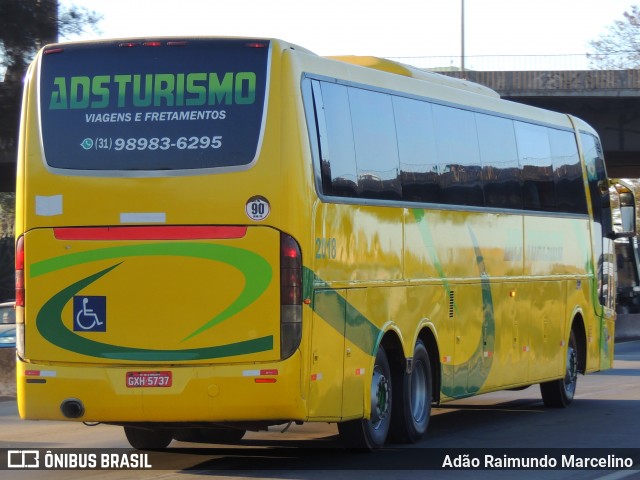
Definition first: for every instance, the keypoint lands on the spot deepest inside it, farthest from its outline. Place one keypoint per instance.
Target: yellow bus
(217, 235)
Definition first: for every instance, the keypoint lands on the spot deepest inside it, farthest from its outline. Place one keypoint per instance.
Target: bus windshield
(153, 105)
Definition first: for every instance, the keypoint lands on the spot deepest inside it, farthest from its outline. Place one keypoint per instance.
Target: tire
(412, 406)
(371, 433)
(559, 393)
(148, 439)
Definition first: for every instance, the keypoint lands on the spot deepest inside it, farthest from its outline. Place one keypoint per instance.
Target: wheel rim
(418, 392)
(379, 399)
(571, 375)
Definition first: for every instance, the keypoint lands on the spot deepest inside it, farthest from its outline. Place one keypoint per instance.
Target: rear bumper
(213, 393)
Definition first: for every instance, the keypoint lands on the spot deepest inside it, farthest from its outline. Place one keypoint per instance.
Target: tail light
(290, 295)
(20, 272)
(20, 297)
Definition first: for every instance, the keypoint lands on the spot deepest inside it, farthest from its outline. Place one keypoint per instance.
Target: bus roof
(438, 86)
(413, 72)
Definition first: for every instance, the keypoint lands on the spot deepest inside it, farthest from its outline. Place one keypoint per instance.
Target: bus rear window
(148, 106)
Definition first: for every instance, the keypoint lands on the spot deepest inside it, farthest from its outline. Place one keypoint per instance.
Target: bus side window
(598, 183)
(417, 150)
(337, 151)
(374, 135)
(458, 156)
(567, 172)
(501, 172)
(535, 160)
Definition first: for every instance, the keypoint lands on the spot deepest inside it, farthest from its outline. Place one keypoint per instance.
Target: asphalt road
(605, 415)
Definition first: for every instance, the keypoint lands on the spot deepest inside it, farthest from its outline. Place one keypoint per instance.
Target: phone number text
(155, 143)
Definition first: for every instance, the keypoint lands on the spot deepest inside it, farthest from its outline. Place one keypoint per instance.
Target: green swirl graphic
(365, 334)
(478, 366)
(256, 270)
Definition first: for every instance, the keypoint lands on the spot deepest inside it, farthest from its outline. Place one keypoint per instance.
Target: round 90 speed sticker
(257, 208)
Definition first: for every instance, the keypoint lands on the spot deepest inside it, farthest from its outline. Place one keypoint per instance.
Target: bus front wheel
(371, 433)
(559, 393)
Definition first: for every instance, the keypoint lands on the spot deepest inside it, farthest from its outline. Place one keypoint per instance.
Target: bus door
(604, 250)
(327, 354)
(627, 253)
(342, 345)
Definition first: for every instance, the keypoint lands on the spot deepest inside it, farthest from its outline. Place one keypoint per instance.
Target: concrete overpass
(609, 100)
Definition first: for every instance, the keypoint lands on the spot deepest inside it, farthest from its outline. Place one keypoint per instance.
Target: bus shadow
(519, 424)
(328, 453)
(622, 372)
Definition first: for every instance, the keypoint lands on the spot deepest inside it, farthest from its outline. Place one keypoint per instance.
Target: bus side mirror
(628, 212)
(627, 206)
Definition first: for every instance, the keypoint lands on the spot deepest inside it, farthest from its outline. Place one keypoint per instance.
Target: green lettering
(220, 92)
(138, 99)
(98, 89)
(245, 88)
(122, 81)
(200, 91)
(59, 97)
(180, 90)
(79, 92)
(163, 88)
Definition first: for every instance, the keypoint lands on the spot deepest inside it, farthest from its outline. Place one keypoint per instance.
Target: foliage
(619, 49)
(7, 215)
(7, 272)
(27, 25)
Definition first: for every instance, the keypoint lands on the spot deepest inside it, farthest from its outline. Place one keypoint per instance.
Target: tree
(7, 247)
(26, 26)
(619, 49)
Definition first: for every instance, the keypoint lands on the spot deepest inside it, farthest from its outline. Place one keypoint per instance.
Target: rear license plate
(148, 379)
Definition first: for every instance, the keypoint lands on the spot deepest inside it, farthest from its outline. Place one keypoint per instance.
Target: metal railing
(577, 61)
(491, 63)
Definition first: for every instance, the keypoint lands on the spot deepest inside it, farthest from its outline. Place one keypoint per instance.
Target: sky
(385, 28)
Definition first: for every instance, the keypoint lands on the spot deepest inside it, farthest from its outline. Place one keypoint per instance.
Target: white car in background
(8, 325)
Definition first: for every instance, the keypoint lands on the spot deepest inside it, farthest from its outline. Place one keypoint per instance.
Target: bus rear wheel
(371, 433)
(559, 393)
(148, 439)
(412, 407)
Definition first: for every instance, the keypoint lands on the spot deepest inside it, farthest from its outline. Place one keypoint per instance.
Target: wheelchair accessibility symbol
(90, 314)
